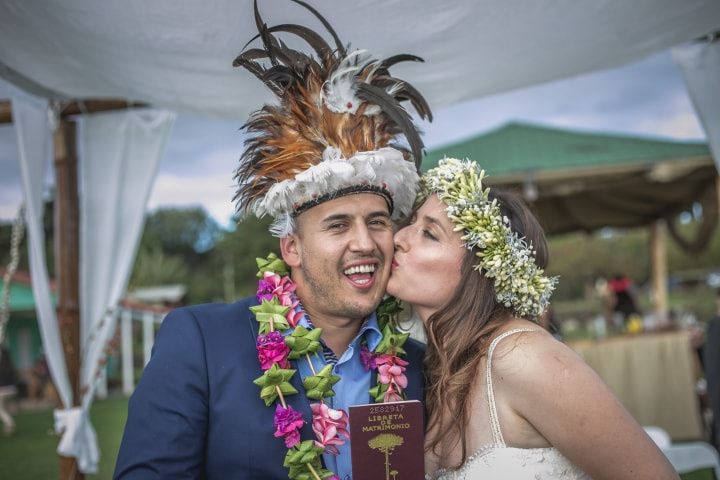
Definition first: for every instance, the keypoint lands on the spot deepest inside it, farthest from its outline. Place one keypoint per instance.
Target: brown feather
(290, 137)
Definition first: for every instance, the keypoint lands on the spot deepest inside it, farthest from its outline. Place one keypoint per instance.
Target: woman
(505, 399)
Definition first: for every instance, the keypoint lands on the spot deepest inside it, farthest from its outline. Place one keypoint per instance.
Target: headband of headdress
(502, 254)
(334, 131)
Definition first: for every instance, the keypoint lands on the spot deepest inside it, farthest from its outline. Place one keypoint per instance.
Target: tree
(386, 443)
(181, 231)
(153, 267)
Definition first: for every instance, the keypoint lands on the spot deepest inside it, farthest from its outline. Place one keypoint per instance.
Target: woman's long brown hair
(458, 334)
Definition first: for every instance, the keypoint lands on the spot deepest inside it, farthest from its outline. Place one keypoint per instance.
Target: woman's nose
(400, 239)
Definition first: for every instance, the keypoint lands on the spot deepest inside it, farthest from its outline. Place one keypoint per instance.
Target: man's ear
(290, 250)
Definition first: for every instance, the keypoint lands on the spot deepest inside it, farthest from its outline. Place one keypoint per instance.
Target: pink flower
(391, 370)
(292, 316)
(329, 425)
(271, 349)
(273, 285)
(391, 395)
(367, 358)
(288, 422)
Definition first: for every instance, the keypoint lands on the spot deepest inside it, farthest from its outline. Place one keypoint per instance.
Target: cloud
(212, 192)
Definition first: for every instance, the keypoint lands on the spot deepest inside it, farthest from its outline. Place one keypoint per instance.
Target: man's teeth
(360, 269)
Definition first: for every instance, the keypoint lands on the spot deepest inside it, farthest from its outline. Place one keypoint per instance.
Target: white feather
(385, 167)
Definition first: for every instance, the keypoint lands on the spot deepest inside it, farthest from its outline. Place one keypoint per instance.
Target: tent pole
(659, 271)
(67, 221)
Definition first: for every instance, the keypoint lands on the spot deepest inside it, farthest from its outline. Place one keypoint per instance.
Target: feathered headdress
(334, 131)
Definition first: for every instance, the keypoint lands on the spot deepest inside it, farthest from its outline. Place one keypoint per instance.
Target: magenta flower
(367, 358)
(391, 370)
(329, 426)
(273, 285)
(288, 423)
(271, 349)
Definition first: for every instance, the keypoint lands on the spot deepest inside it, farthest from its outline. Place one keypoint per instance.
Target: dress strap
(498, 439)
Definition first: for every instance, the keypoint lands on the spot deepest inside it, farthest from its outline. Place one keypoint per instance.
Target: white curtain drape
(33, 127)
(119, 154)
(700, 64)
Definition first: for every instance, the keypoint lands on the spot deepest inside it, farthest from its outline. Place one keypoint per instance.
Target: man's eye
(380, 223)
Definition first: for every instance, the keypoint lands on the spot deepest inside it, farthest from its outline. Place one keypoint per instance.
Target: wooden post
(659, 272)
(67, 264)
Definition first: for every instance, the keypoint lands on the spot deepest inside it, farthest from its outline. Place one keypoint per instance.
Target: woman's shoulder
(530, 353)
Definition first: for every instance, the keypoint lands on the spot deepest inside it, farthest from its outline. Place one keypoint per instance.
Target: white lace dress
(500, 462)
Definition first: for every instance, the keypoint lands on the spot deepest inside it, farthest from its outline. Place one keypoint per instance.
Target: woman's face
(428, 258)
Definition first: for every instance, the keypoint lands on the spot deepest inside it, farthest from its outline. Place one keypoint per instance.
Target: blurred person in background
(8, 389)
(624, 303)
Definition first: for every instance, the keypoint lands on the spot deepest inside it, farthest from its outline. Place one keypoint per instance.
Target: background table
(653, 375)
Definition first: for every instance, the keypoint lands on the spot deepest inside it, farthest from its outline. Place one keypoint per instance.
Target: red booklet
(387, 441)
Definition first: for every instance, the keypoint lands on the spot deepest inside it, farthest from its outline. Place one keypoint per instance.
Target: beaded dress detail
(498, 461)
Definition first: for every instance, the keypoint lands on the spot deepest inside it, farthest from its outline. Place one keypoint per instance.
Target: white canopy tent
(177, 55)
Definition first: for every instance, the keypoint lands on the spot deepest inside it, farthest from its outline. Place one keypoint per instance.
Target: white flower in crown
(503, 255)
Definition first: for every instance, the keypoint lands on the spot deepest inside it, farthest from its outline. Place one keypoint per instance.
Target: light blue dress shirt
(352, 389)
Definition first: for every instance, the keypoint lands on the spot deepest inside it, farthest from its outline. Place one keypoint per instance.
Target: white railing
(126, 317)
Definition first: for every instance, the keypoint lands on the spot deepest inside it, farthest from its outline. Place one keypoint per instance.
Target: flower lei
(277, 314)
(503, 254)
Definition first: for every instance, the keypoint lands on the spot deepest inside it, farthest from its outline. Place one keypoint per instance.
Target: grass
(30, 452)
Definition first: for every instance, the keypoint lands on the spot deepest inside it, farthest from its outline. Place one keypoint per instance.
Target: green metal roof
(520, 147)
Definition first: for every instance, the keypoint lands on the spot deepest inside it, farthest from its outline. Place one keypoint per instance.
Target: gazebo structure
(580, 181)
(177, 56)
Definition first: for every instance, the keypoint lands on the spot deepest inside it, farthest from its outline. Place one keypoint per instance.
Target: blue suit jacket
(196, 412)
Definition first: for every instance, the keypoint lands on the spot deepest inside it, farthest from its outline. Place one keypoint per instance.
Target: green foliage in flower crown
(319, 386)
(271, 311)
(503, 254)
(271, 264)
(273, 379)
(303, 342)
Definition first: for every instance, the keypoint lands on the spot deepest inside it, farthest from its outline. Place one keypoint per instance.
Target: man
(711, 361)
(321, 165)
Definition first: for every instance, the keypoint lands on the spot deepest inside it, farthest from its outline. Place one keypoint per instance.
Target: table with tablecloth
(653, 375)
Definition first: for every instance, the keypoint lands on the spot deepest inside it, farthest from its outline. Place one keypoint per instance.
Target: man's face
(340, 255)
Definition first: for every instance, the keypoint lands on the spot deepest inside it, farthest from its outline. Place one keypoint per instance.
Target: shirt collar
(369, 329)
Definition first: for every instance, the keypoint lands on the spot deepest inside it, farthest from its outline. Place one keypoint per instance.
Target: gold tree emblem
(386, 443)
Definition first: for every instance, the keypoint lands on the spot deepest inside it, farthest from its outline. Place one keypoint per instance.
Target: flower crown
(503, 254)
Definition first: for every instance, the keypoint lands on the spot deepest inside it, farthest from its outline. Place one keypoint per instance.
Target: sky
(645, 98)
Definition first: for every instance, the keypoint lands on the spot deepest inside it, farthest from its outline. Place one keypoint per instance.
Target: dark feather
(341, 50)
(407, 92)
(317, 43)
(395, 59)
(262, 30)
(397, 114)
(297, 60)
(279, 75)
(250, 56)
